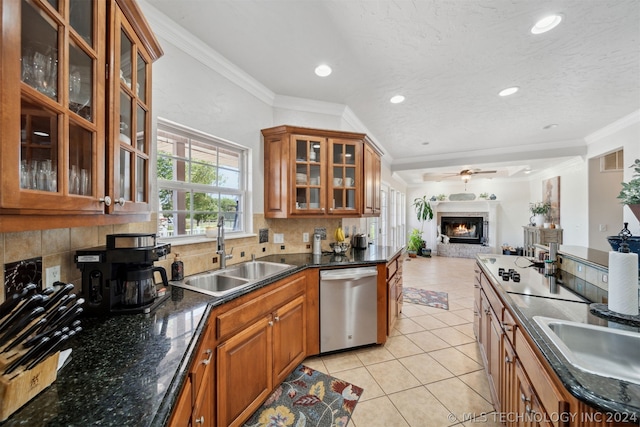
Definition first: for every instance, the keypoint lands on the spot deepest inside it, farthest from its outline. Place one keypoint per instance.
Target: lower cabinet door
(289, 338)
(245, 372)
(203, 411)
(508, 392)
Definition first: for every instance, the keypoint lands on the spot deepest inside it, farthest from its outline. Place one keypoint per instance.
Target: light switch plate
(305, 237)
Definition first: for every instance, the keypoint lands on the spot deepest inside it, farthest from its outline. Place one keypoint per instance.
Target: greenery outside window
(200, 178)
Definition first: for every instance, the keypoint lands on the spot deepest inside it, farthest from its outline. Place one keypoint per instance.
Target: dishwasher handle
(348, 274)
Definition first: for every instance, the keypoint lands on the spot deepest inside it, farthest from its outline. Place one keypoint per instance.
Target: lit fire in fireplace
(462, 230)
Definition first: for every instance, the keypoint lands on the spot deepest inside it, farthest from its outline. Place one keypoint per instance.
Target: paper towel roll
(623, 283)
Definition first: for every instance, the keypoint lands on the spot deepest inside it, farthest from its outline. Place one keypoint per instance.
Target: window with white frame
(200, 178)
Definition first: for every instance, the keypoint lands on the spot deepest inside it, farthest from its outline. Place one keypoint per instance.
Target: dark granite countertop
(128, 370)
(537, 295)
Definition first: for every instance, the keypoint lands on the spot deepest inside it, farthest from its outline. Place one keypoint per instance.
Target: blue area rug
(308, 398)
(423, 297)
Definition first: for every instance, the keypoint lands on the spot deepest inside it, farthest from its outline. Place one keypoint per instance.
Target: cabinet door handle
(507, 360)
(476, 286)
(276, 318)
(524, 398)
(270, 322)
(200, 420)
(487, 311)
(106, 200)
(507, 327)
(208, 359)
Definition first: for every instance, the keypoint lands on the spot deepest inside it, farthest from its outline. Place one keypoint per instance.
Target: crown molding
(167, 29)
(614, 127)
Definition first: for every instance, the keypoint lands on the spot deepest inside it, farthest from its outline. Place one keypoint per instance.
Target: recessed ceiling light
(425, 143)
(508, 91)
(527, 171)
(551, 126)
(547, 23)
(323, 70)
(397, 99)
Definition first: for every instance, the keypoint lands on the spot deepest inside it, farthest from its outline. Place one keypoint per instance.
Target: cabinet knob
(121, 201)
(524, 398)
(270, 322)
(106, 200)
(200, 420)
(507, 360)
(277, 318)
(487, 311)
(208, 359)
(507, 327)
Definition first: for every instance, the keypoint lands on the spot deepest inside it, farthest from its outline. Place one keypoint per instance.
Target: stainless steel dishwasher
(348, 308)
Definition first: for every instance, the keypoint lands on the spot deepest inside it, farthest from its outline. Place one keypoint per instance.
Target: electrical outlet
(605, 278)
(579, 267)
(305, 237)
(278, 238)
(52, 275)
(602, 227)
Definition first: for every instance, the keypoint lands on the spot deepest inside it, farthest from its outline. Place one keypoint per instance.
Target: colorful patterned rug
(430, 298)
(308, 398)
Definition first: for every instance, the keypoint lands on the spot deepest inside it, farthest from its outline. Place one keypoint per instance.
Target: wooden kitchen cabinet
(195, 404)
(315, 173)
(264, 341)
(61, 113)
(372, 180)
(394, 291)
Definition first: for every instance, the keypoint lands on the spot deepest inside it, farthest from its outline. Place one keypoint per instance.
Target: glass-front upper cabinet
(55, 94)
(310, 178)
(130, 136)
(344, 175)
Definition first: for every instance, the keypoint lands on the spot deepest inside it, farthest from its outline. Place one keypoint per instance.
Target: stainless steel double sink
(599, 350)
(222, 282)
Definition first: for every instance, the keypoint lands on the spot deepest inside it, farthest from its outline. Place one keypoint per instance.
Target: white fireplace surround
(484, 208)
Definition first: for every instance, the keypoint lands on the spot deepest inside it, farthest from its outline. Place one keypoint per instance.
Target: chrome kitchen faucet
(223, 257)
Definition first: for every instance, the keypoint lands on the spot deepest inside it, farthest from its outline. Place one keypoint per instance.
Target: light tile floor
(429, 373)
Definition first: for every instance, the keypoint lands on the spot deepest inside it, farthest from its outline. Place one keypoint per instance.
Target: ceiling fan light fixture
(397, 99)
(545, 24)
(465, 178)
(509, 91)
(323, 70)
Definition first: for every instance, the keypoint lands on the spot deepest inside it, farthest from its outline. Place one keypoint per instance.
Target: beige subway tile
(56, 241)
(22, 245)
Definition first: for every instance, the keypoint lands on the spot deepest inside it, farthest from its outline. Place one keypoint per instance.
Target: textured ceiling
(449, 59)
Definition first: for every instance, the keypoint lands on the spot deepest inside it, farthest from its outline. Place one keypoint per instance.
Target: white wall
(625, 134)
(512, 211)
(605, 210)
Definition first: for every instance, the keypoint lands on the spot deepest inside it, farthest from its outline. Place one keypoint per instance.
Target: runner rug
(308, 398)
(423, 297)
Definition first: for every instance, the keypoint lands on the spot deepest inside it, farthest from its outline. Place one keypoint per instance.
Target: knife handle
(27, 356)
(18, 325)
(52, 348)
(25, 334)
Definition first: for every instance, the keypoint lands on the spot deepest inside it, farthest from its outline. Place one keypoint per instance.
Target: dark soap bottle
(177, 269)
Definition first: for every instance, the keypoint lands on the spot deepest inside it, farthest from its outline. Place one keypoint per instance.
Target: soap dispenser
(177, 269)
(317, 244)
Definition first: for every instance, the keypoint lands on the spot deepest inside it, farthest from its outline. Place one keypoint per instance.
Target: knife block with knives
(33, 328)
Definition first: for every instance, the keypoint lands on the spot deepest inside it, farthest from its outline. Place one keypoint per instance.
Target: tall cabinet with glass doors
(75, 112)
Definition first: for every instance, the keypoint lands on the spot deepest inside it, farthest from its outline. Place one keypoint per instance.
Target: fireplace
(463, 229)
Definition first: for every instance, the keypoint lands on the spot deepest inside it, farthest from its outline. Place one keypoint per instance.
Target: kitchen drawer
(392, 267)
(257, 306)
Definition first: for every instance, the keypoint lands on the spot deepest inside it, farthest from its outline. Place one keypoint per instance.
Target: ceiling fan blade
(484, 172)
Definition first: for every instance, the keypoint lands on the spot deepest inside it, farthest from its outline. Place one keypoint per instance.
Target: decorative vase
(492, 197)
(538, 220)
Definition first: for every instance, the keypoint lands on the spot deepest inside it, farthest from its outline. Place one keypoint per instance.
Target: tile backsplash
(58, 246)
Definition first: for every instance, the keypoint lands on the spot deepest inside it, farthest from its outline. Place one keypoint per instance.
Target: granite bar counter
(539, 295)
(128, 370)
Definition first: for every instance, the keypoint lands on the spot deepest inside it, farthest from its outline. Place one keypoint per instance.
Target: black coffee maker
(120, 278)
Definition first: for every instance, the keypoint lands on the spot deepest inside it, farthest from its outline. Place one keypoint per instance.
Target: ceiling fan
(465, 174)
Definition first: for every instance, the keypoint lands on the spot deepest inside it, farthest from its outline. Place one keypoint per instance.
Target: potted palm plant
(424, 213)
(630, 193)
